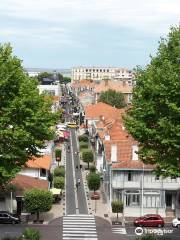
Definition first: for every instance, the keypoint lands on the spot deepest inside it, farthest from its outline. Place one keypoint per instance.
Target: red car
(95, 196)
(149, 220)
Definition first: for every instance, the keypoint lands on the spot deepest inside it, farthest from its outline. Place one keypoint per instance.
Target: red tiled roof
(25, 182)
(117, 86)
(99, 110)
(41, 162)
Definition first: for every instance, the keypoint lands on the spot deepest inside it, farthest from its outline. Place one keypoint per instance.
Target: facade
(125, 177)
(99, 73)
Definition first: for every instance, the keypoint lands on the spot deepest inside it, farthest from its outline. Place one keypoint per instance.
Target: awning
(55, 191)
(60, 133)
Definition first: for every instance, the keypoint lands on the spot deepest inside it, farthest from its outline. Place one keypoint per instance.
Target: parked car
(176, 222)
(7, 217)
(149, 220)
(95, 196)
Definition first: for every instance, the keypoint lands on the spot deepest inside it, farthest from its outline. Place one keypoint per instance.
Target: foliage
(60, 77)
(92, 168)
(58, 153)
(93, 180)
(83, 145)
(59, 182)
(59, 171)
(117, 207)
(113, 98)
(31, 234)
(11, 238)
(38, 200)
(26, 117)
(66, 80)
(45, 75)
(83, 138)
(87, 156)
(154, 119)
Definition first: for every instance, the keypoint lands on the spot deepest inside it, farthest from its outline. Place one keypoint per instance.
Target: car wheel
(13, 222)
(160, 225)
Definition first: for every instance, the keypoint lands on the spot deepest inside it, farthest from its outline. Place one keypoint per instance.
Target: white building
(52, 90)
(99, 73)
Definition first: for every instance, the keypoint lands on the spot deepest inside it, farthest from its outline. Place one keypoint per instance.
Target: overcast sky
(66, 33)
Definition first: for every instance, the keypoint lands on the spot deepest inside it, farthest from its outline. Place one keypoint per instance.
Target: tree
(87, 156)
(60, 77)
(59, 171)
(58, 155)
(93, 181)
(59, 182)
(38, 200)
(113, 98)
(45, 75)
(117, 207)
(31, 234)
(154, 118)
(83, 138)
(66, 80)
(26, 117)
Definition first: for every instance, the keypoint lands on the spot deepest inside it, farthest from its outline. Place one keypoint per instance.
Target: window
(132, 198)
(42, 172)
(134, 152)
(129, 176)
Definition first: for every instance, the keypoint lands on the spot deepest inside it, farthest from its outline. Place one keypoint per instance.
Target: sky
(69, 33)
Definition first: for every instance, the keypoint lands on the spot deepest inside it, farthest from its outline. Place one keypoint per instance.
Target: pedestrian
(77, 167)
(79, 181)
(77, 185)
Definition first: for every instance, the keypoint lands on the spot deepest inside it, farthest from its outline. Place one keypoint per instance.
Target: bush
(31, 234)
(83, 138)
(92, 169)
(87, 156)
(59, 182)
(59, 172)
(83, 145)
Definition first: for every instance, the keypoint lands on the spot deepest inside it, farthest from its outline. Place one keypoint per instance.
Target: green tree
(113, 98)
(58, 155)
(94, 181)
(26, 117)
(117, 207)
(60, 77)
(59, 182)
(87, 156)
(37, 200)
(59, 171)
(66, 80)
(45, 75)
(83, 145)
(83, 138)
(154, 118)
(31, 234)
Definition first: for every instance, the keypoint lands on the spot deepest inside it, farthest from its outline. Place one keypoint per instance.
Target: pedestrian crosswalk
(119, 230)
(79, 227)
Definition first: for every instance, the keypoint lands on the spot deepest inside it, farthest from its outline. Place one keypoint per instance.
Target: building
(125, 177)
(99, 73)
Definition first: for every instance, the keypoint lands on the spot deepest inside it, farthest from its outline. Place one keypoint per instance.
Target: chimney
(113, 153)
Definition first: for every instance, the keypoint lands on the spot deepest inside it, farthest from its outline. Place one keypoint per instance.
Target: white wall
(31, 172)
(55, 88)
